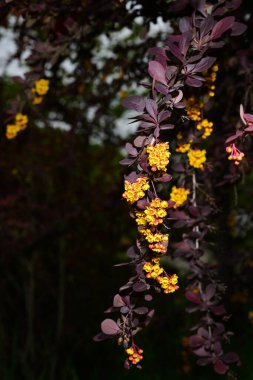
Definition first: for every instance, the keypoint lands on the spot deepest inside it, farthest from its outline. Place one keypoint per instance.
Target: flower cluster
(158, 156)
(40, 89)
(154, 271)
(157, 240)
(136, 190)
(179, 195)
(234, 154)
(135, 354)
(193, 108)
(19, 125)
(153, 214)
(183, 147)
(205, 126)
(197, 158)
(210, 79)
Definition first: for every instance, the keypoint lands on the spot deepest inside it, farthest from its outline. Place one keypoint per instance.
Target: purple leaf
(127, 161)
(231, 357)
(142, 204)
(204, 361)
(220, 367)
(165, 178)
(161, 88)
(218, 310)
(206, 26)
(131, 150)
(133, 252)
(139, 141)
(124, 309)
(157, 51)
(248, 117)
(148, 297)
(134, 102)
(234, 137)
(163, 116)
(193, 297)
(151, 107)
(141, 310)
(140, 286)
(210, 291)
(175, 51)
(118, 301)
(203, 65)
(100, 337)
(185, 24)
(157, 72)
(109, 327)
(195, 341)
(249, 129)
(201, 352)
(238, 29)
(193, 82)
(167, 126)
(222, 26)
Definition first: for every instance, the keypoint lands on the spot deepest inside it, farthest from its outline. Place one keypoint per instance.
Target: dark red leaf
(238, 29)
(139, 141)
(220, 367)
(165, 178)
(193, 82)
(127, 161)
(249, 129)
(140, 286)
(230, 357)
(195, 341)
(204, 361)
(100, 337)
(193, 297)
(222, 26)
(141, 310)
(151, 107)
(157, 72)
(203, 65)
(134, 102)
(118, 301)
(110, 327)
(131, 150)
(234, 137)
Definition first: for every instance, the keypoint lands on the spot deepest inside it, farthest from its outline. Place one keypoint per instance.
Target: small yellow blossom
(193, 108)
(135, 354)
(179, 195)
(156, 211)
(21, 121)
(41, 86)
(11, 131)
(184, 148)
(250, 316)
(154, 271)
(206, 126)
(37, 100)
(158, 156)
(136, 190)
(197, 158)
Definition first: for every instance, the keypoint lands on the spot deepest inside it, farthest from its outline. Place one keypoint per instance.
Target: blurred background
(63, 224)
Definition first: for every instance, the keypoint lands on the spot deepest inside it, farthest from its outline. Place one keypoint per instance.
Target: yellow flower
(197, 158)
(179, 195)
(37, 100)
(11, 131)
(21, 121)
(250, 316)
(158, 156)
(193, 108)
(135, 191)
(41, 86)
